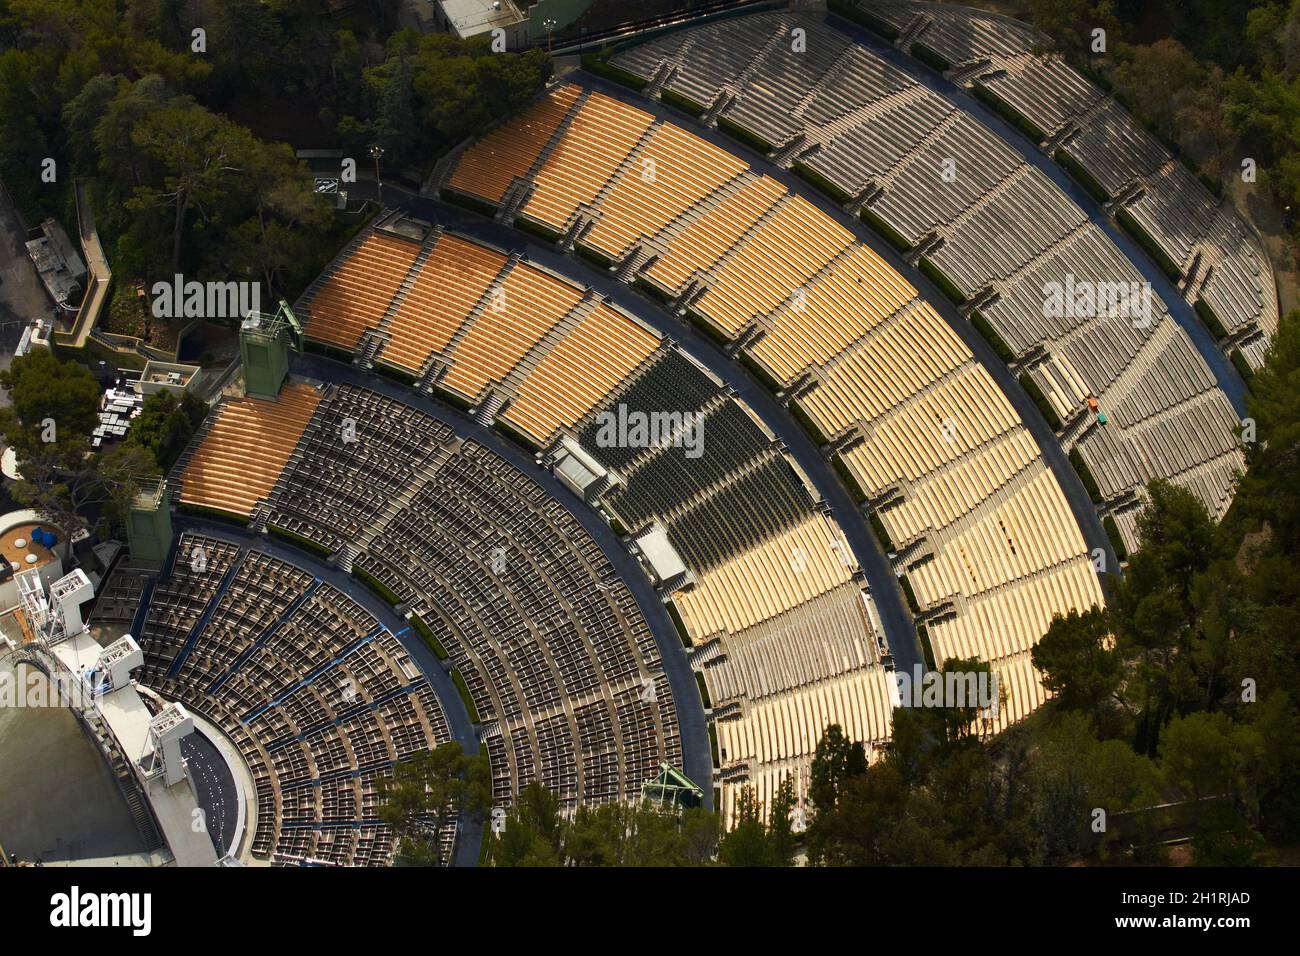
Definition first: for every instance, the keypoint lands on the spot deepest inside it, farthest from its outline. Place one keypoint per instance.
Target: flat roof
(128, 718)
(471, 17)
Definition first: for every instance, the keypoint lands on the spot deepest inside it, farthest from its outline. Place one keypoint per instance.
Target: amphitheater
(817, 236)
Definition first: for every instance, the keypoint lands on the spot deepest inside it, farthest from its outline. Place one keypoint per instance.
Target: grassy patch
(738, 132)
(1085, 475)
(1242, 366)
(683, 103)
(535, 228)
(1008, 112)
(707, 327)
(1116, 539)
(909, 593)
(821, 183)
(1040, 400)
(704, 690)
(375, 585)
(846, 476)
(652, 290)
(849, 10)
(882, 535)
(1148, 242)
(927, 649)
(594, 64)
(1081, 176)
(426, 632)
(807, 424)
(931, 58)
(451, 398)
(991, 336)
(884, 229)
(1210, 319)
(768, 381)
(591, 254)
(329, 351)
(399, 375)
(946, 285)
(466, 697)
(515, 435)
(216, 514)
(298, 541)
(466, 201)
(678, 623)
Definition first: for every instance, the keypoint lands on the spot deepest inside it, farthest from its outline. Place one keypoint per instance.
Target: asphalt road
(1081, 506)
(886, 593)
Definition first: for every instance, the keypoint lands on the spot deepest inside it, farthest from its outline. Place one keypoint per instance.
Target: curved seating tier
(472, 321)
(1000, 231)
(556, 657)
(245, 446)
(1221, 262)
(319, 699)
(871, 365)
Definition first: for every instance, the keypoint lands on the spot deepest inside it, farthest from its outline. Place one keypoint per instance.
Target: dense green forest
(184, 117)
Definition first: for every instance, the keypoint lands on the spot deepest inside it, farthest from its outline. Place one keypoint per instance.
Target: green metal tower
(264, 343)
(149, 522)
(672, 788)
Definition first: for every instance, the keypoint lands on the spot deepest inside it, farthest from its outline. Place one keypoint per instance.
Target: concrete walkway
(888, 596)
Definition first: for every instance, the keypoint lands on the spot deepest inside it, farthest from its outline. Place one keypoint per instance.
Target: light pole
(377, 151)
(548, 25)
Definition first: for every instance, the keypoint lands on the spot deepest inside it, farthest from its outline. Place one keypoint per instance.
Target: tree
(781, 837)
(835, 761)
(746, 843)
(534, 832)
(1070, 23)
(1080, 663)
(42, 390)
(426, 793)
(165, 426)
(1197, 755)
(200, 158)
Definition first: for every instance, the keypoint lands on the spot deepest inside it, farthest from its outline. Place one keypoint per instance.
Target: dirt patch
(1254, 204)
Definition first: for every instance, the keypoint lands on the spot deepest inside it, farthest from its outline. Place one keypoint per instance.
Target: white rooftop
(128, 718)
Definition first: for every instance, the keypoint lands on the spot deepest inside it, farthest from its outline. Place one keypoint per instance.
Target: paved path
(893, 612)
(462, 728)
